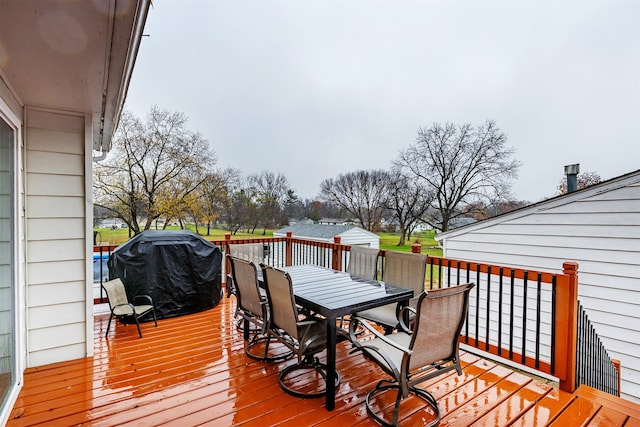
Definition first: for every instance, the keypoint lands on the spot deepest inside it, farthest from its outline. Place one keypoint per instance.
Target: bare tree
(271, 191)
(585, 179)
(407, 202)
(361, 193)
(154, 167)
(461, 165)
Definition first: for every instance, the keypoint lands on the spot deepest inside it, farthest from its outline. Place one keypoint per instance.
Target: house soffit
(72, 55)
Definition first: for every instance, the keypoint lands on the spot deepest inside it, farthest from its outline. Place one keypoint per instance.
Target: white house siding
(358, 236)
(600, 230)
(56, 237)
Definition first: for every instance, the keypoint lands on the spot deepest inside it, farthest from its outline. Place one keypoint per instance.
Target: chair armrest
(144, 297)
(306, 322)
(403, 326)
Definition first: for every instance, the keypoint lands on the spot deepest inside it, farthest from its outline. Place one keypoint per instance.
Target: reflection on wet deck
(192, 370)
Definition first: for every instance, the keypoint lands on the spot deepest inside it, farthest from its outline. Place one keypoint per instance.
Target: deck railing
(595, 367)
(528, 317)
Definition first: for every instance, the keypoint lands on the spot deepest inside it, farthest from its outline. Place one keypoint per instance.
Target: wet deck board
(192, 370)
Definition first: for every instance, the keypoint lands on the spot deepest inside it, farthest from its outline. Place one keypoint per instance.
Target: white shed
(597, 227)
(349, 234)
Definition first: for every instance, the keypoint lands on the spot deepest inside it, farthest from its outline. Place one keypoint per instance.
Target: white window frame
(9, 117)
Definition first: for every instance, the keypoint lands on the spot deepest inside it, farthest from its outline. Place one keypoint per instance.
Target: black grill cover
(177, 268)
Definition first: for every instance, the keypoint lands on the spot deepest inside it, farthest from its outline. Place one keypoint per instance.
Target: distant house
(111, 223)
(349, 234)
(335, 221)
(597, 227)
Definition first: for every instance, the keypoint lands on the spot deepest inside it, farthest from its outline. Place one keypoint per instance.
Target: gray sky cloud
(317, 88)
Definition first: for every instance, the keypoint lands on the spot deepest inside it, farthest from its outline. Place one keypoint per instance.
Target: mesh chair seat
(129, 310)
(122, 309)
(386, 315)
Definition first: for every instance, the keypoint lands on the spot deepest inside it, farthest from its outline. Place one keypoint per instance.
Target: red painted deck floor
(192, 370)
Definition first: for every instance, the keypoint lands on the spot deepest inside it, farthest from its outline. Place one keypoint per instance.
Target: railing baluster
(500, 284)
(487, 327)
(467, 322)
(538, 317)
(524, 316)
(477, 304)
(553, 324)
(511, 314)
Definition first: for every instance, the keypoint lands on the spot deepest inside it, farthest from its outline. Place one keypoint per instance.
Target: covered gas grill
(177, 268)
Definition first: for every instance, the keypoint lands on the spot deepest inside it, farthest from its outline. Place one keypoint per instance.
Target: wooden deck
(192, 370)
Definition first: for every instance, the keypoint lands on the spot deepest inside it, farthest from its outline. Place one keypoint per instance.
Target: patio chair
(412, 357)
(363, 262)
(403, 269)
(253, 308)
(305, 337)
(122, 309)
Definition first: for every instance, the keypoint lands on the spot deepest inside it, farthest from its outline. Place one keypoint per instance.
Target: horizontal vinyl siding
(359, 237)
(68, 292)
(601, 233)
(56, 266)
(61, 250)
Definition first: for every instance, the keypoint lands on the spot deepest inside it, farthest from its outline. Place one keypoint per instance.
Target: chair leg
(155, 320)
(108, 325)
(138, 325)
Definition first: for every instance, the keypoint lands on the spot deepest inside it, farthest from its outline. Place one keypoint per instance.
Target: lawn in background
(120, 235)
(388, 241)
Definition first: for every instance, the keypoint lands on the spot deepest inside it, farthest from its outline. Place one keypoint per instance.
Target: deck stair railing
(595, 367)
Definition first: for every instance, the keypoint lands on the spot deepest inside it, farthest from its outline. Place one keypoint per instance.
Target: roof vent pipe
(572, 171)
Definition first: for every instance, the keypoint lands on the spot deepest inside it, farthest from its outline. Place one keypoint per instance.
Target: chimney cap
(572, 169)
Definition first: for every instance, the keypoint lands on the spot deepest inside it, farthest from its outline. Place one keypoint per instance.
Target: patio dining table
(334, 294)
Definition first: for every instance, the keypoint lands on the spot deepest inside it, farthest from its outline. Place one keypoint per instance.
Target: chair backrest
(253, 252)
(245, 278)
(407, 270)
(441, 313)
(363, 262)
(116, 293)
(284, 312)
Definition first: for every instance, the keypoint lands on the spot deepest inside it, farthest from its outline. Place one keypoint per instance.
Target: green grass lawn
(121, 235)
(388, 241)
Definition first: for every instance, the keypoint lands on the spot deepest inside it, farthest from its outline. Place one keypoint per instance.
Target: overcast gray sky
(315, 88)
